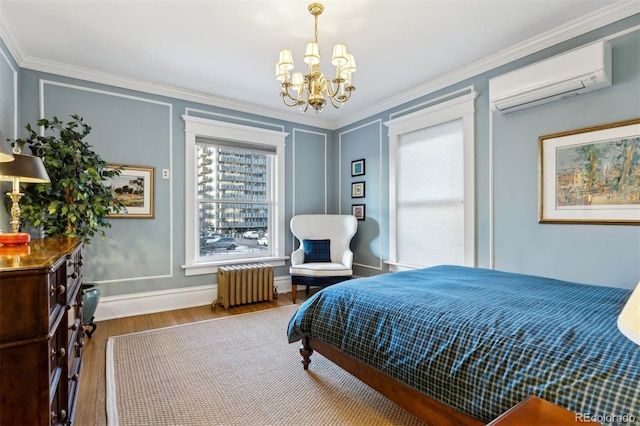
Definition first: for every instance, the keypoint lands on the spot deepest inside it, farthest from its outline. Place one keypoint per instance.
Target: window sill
(397, 267)
(212, 267)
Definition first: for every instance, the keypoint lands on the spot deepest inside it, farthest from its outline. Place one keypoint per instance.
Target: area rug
(236, 370)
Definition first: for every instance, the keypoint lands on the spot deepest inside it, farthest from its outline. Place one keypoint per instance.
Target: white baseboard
(127, 305)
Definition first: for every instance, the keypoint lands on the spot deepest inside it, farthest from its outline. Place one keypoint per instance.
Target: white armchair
(324, 256)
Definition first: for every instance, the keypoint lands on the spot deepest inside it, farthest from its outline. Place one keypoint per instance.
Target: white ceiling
(222, 51)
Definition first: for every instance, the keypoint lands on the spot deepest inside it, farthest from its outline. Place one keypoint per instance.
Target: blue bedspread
(481, 340)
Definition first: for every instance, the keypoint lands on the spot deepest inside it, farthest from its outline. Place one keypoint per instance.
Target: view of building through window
(234, 200)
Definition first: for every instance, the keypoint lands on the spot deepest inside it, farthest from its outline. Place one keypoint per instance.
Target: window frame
(462, 107)
(196, 127)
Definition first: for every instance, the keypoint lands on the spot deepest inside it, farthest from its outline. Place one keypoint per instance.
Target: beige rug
(236, 370)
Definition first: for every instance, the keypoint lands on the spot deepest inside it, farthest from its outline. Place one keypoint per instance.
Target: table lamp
(27, 169)
(629, 319)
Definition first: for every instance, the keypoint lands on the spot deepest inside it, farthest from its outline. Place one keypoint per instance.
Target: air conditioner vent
(578, 71)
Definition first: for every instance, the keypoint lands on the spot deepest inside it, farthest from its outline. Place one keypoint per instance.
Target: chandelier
(313, 89)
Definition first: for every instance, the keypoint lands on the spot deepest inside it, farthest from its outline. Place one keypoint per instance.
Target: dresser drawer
(58, 410)
(58, 352)
(30, 303)
(74, 386)
(74, 274)
(58, 286)
(76, 341)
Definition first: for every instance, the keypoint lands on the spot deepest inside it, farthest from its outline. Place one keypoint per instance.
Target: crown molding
(571, 29)
(592, 21)
(9, 39)
(163, 90)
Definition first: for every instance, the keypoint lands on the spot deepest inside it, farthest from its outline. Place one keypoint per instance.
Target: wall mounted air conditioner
(578, 71)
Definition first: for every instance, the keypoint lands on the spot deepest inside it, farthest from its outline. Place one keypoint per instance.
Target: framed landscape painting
(135, 187)
(591, 175)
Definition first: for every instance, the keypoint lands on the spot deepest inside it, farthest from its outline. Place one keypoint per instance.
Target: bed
(459, 345)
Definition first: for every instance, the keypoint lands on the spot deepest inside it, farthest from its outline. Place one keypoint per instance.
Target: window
(234, 195)
(234, 200)
(431, 155)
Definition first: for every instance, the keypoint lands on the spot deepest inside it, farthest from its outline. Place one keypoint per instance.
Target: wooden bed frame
(417, 403)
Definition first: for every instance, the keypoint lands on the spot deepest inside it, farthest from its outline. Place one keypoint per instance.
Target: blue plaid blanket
(482, 340)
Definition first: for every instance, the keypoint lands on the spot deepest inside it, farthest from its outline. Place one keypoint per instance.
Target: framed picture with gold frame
(135, 187)
(591, 175)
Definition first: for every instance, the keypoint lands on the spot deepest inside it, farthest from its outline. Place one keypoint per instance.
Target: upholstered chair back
(340, 229)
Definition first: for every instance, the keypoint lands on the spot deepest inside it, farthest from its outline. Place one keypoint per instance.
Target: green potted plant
(76, 201)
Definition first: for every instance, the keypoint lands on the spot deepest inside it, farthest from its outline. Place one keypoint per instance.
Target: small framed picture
(358, 210)
(357, 168)
(135, 187)
(357, 190)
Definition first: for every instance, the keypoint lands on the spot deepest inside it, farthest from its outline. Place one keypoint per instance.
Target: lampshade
(339, 55)
(286, 60)
(27, 168)
(5, 152)
(629, 319)
(281, 75)
(312, 53)
(350, 67)
(297, 79)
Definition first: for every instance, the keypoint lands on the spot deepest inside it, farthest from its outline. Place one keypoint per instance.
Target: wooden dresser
(41, 334)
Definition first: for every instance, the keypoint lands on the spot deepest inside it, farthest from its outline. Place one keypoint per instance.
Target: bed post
(306, 352)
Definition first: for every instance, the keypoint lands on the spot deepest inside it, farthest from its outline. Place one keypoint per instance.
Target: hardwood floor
(91, 405)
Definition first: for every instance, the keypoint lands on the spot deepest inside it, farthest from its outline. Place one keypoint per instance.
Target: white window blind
(431, 185)
(430, 195)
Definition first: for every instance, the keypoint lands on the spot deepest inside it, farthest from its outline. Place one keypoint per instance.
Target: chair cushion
(316, 251)
(321, 269)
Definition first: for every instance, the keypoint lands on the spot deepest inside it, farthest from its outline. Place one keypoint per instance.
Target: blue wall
(595, 254)
(8, 118)
(143, 129)
(137, 128)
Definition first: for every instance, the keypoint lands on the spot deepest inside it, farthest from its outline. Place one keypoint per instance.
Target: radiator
(242, 284)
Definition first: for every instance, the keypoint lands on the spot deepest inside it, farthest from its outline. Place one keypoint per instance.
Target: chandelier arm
(285, 94)
(349, 91)
(340, 103)
(332, 93)
(284, 99)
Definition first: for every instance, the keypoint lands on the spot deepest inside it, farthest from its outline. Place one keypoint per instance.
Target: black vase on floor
(90, 299)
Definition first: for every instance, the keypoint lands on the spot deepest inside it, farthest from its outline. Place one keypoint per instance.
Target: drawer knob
(60, 352)
(55, 419)
(61, 289)
(74, 326)
(74, 377)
